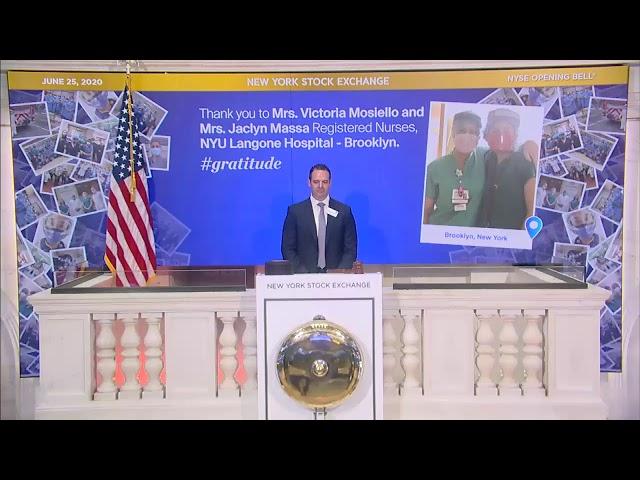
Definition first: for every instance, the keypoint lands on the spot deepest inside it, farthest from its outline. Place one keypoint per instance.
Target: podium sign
(319, 346)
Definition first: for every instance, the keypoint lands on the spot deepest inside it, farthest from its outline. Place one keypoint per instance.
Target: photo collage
(579, 192)
(63, 157)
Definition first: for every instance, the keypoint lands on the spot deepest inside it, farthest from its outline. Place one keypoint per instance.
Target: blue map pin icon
(534, 225)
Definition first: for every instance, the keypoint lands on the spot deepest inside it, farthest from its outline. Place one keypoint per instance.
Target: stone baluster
(153, 356)
(249, 340)
(533, 354)
(389, 350)
(105, 356)
(228, 360)
(508, 337)
(130, 357)
(485, 353)
(411, 351)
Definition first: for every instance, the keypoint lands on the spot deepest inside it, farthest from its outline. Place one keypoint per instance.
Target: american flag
(130, 253)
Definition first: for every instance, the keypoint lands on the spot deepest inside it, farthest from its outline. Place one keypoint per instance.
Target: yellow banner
(459, 79)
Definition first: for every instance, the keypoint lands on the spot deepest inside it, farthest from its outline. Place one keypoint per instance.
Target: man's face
(320, 184)
(502, 136)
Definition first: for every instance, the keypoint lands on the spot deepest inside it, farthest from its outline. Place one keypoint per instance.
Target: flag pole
(131, 159)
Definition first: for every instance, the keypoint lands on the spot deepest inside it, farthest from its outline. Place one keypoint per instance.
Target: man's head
(502, 130)
(320, 181)
(466, 131)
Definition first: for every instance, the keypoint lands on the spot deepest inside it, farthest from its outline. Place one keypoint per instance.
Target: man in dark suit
(319, 233)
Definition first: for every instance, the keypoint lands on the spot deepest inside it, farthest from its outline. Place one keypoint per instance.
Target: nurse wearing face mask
(583, 225)
(455, 182)
(510, 175)
(55, 229)
(155, 155)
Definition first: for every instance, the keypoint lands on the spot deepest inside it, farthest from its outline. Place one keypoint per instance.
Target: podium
(285, 303)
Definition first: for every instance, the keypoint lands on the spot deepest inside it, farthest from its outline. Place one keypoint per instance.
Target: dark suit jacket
(300, 237)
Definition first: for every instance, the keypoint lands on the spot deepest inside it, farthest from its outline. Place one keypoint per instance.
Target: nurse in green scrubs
(455, 182)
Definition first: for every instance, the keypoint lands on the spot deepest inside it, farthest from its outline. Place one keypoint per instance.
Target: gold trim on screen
(459, 79)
